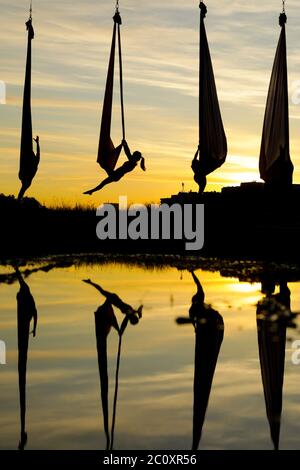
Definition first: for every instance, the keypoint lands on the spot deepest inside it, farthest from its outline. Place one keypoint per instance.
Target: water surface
(156, 405)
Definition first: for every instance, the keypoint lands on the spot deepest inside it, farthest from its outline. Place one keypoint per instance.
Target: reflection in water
(27, 312)
(273, 317)
(14, 276)
(159, 360)
(105, 320)
(209, 333)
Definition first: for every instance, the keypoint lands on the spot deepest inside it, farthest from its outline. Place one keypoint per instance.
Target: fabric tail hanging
(209, 337)
(104, 318)
(275, 164)
(108, 154)
(212, 138)
(272, 341)
(26, 153)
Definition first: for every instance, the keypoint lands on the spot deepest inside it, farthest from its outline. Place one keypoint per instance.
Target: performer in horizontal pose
(127, 167)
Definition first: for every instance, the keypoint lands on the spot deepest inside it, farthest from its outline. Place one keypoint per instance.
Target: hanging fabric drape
(104, 320)
(212, 138)
(275, 163)
(108, 154)
(272, 342)
(27, 156)
(26, 310)
(209, 331)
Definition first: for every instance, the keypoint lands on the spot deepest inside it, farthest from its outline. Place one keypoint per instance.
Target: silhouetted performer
(105, 319)
(115, 300)
(29, 161)
(273, 313)
(26, 313)
(127, 167)
(199, 174)
(29, 171)
(209, 333)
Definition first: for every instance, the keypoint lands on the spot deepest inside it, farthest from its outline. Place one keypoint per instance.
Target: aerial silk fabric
(27, 156)
(272, 341)
(26, 312)
(213, 143)
(104, 320)
(275, 164)
(209, 337)
(107, 153)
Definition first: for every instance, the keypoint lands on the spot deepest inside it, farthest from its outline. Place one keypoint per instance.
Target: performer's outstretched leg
(23, 190)
(200, 179)
(200, 296)
(105, 182)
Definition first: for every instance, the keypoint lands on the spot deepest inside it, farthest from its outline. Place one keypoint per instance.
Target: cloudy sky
(160, 48)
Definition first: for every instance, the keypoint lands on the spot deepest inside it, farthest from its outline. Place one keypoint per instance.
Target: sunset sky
(160, 59)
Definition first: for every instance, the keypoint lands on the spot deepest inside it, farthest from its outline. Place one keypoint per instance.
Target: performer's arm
(119, 148)
(126, 150)
(197, 153)
(38, 149)
(198, 284)
(19, 277)
(35, 318)
(99, 288)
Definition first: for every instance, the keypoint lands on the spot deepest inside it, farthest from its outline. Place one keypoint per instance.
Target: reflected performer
(13, 277)
(273, 317)
(27, 312)
(209, 333)
(115, 175)
(105, 320)
(115, 300)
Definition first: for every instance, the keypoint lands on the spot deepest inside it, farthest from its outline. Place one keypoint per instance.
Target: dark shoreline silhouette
(248, 222)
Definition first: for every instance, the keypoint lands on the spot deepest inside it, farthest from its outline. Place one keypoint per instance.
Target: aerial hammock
(275, 164)
(27, 312)
(212, 149)
(29, 161)
(108, 154)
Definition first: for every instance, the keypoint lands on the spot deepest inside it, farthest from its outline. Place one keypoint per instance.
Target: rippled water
(157, 406)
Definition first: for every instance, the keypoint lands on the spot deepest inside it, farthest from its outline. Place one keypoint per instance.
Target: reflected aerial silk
(107, 153)
(212, 138)
(209, 334)
(28, 160)
(209, 331)
(271, 342)
(275, 164)
(104, 320)
(27, 312)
